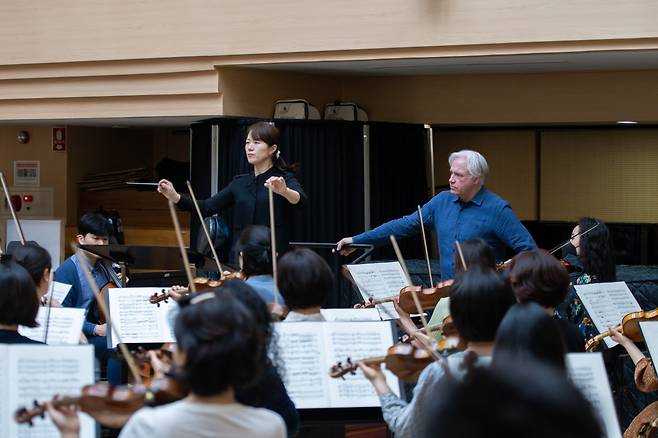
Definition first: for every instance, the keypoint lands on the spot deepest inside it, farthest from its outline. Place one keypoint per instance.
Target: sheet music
(379, 280)
(308, 349)
(607, 304)
(344, 315)
(60, 291)
(65, 326)
(587, 372)
(301, 350)
(38, 372)
(650, 333)
(136, 319)
(357, 341)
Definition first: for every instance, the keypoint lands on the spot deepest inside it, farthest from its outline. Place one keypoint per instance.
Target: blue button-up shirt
(487, 216)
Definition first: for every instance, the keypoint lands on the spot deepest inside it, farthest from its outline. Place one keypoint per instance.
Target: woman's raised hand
(278, 184)
(168, 191)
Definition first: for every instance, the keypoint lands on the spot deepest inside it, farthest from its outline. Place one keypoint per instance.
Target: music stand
(338, 300)
(163, 258)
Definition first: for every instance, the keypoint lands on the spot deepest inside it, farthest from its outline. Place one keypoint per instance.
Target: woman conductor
(248, 193)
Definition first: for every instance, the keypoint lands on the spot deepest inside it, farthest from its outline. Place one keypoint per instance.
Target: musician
(19, 303)
(37, 262)
(255, 259)
(596, 255)
(646, 380)
(219, 347)
(507, 400)
(537, 276)
(305, 281)
(248, 193)
(527, 333)
(478, 303)
(93, 229)
(478, 255)
(268, 391)
(467, 211)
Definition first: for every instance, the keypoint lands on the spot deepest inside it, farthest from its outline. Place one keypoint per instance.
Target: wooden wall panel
(608, 174)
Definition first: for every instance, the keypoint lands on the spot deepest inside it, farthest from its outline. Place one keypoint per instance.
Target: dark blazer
(248, 196)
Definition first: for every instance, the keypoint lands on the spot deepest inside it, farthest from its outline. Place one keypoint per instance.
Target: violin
(200, 283)
(109, 405)
(648, 429)
(452, 340)
(406, 361)
(428, 297)
(630, 327)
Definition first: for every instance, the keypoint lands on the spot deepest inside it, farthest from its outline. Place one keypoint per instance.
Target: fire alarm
(23, 137)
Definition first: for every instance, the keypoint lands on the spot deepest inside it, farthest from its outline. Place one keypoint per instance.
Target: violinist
(467, 211)
(248, 193)
(19, 303)
(537, 276)
(595, 253)
(527, 333)
(219, 347)
(646, 380)
(93, 229)
(36, 260)
(268, 390)
(305, 281)
(507, 400)
(478, 302)
(478, 255)
(255, 259)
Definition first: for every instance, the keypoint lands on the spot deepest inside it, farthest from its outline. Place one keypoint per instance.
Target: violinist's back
(219, 348)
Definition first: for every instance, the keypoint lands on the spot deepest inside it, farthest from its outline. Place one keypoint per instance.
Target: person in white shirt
(219, 347)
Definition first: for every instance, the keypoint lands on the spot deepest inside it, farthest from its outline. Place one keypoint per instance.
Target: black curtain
(330, 155)
(398, 180)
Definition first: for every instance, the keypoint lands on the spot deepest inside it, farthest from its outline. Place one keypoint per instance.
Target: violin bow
(273, 247)
(566, 242)
(205, 230)
(101, 304)
(181, 245)
(21, 236)
(436, 356)
(427, 256)
(51, 292)
(461, 255)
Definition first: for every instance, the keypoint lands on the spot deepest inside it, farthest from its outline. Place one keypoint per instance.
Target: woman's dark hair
(597, 250)
(268, 133)
(222, 344)
(254, 303)
(254, 244)
(478, 302)
(507, 400)
(538, 276)
(34, 258)
(304, 279)
(528, 333)
(94, 223)
(477, 255)
(19, 301)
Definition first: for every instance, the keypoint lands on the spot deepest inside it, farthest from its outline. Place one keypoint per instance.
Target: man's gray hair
(475, 163)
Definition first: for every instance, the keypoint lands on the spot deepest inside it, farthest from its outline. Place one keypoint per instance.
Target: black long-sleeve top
(248, 196)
